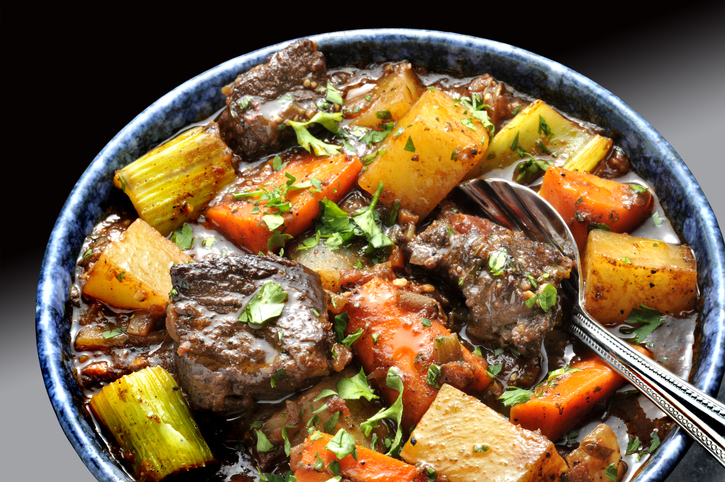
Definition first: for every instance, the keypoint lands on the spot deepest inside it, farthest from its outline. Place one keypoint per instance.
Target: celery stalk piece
(175, 181)
(147, 415)
(542, 132)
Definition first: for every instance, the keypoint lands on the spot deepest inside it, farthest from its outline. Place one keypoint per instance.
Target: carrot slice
(586, 201)
(403, 330)
(560, 404)
(241, 216)
(311, 463)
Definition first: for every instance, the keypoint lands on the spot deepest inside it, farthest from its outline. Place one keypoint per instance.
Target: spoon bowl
(519, 208)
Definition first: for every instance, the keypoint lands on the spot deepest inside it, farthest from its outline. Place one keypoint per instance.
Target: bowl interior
(652, 157)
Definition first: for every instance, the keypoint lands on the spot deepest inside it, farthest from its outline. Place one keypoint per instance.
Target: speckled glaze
(652, 156)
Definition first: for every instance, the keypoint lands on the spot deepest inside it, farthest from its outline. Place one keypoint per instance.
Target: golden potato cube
(621, 272)
(465, 440)
(427, 154)
(541, 131)
(391, 98)
(133, 271)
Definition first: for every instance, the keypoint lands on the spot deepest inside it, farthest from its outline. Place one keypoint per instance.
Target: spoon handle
(700, 415)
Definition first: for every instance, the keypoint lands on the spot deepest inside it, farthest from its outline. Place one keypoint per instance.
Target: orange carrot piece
(556, 407)
(370, 466)
(585, 200)
(241, 220)
(398, 334)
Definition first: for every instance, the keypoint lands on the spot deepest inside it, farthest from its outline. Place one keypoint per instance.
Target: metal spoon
(518, 208)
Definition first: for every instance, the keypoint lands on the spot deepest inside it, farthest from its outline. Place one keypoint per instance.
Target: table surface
(668, 65)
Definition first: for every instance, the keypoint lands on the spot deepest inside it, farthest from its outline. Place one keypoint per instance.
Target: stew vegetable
(285, 292)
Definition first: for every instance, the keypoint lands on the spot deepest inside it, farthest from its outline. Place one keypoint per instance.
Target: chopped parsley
(266, 304)
(340, 324)
(342, 445)
(409, 146)
(333, 95)
(183, 237)
(393, 412)
(310, 142)
(113, 333)
(648, 320)
(263, 443)
(355, 387)
(497, 261)
(612, 471)
(433, 376)
(365, 220)
(478, 111)
(352, 338)
(276, 376)
(657, 218)
(494, 370)
(514, 395)
(546, 298)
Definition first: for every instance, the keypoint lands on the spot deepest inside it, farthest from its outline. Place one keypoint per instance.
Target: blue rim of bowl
(201, 96)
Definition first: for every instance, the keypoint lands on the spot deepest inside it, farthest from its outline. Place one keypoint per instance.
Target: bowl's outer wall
(196, 99)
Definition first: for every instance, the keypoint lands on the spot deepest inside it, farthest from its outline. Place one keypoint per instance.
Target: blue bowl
(652, 157)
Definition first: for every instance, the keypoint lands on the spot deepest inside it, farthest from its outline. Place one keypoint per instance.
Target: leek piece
(174, 182)
(150, 420)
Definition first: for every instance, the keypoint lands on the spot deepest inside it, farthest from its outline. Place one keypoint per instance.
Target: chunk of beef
(286, 87)
(224, 364)
(461, 249)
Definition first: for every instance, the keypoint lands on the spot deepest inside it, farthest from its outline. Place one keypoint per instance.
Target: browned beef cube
(502, 275)
(224, 364)
(288, 86)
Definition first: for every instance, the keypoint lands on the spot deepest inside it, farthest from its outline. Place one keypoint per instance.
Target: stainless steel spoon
(521, 209)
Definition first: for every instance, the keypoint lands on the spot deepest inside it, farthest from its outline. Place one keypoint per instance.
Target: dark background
(73, 77)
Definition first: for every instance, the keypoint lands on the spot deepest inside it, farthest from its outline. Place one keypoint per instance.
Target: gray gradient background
(73, 83)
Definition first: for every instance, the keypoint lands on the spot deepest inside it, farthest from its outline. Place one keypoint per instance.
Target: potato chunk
(541, 131)
(621, 272)
(391, 98)
(467, 441)
(429, 151)
(133, 271)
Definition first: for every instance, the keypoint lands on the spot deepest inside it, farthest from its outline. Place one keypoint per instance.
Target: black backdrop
(75, 76)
